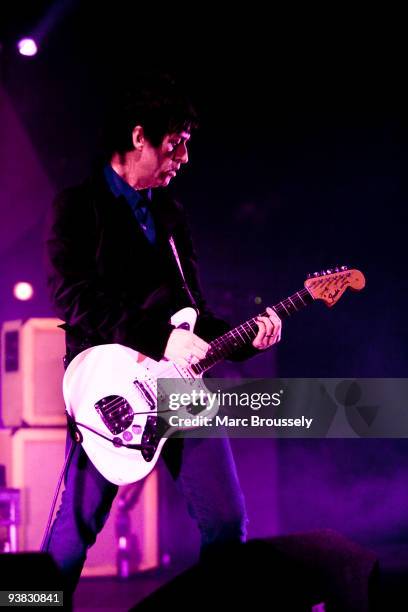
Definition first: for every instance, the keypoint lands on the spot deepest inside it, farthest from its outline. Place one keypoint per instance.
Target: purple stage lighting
(27, 47)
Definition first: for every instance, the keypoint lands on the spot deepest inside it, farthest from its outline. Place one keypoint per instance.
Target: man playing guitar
(114, 278)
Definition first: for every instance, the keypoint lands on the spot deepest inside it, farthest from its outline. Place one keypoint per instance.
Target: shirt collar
(120, 187)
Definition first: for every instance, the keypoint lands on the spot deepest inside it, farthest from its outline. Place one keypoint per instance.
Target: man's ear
(138, 138)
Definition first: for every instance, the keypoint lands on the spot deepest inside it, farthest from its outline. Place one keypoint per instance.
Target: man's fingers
(200, 344)
(269, 326)
(197, 352)
(274, 317)
(194, 356)
(269, 330)
(185, 362)
(258, 341)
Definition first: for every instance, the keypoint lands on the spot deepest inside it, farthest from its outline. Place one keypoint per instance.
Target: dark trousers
(204, 470)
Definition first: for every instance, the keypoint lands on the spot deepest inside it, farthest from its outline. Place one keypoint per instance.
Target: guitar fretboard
(243, 335)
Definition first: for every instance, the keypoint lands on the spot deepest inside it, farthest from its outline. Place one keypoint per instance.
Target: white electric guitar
(110, 390)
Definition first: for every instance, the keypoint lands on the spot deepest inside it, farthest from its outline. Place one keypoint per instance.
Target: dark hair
(157, 103)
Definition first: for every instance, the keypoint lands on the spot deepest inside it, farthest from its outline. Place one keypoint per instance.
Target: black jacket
(108, 283)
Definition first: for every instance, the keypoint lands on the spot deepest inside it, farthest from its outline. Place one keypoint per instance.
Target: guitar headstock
(329, 285)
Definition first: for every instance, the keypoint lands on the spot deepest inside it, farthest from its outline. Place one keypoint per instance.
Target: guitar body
(112, 390)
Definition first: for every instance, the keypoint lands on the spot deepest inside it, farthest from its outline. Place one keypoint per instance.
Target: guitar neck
(223, 347)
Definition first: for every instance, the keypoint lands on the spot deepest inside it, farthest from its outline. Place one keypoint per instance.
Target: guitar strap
(185, 286)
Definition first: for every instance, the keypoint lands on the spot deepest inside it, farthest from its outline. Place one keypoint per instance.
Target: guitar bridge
(115, 412)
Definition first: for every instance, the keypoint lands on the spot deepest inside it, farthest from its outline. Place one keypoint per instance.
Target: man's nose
(182, 153)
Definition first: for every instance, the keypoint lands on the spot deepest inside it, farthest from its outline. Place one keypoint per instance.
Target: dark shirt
(139, 201)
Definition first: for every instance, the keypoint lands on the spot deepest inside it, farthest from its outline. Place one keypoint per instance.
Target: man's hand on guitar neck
(270, 330)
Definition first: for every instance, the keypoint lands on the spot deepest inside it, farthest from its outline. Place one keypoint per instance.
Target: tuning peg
(337, 269)
(343, 268)
(329, 271)
(316, 273)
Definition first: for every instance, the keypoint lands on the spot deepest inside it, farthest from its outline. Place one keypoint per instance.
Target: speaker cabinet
(34, 458)
(32, 372)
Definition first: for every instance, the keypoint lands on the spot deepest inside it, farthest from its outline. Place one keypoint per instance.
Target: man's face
(161, 164)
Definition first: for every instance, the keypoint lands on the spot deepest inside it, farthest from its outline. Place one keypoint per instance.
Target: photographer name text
(226, 421)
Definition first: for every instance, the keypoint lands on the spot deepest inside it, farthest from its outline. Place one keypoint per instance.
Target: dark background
(299, 165)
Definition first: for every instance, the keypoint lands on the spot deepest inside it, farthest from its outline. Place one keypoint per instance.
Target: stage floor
(112, 593)
(120, 595)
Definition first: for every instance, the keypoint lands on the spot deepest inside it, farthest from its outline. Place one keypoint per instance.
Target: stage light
(23, 291)
(27, 47)
(30, 45)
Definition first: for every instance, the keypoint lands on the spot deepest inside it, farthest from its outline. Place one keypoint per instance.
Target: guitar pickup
(146, 394)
